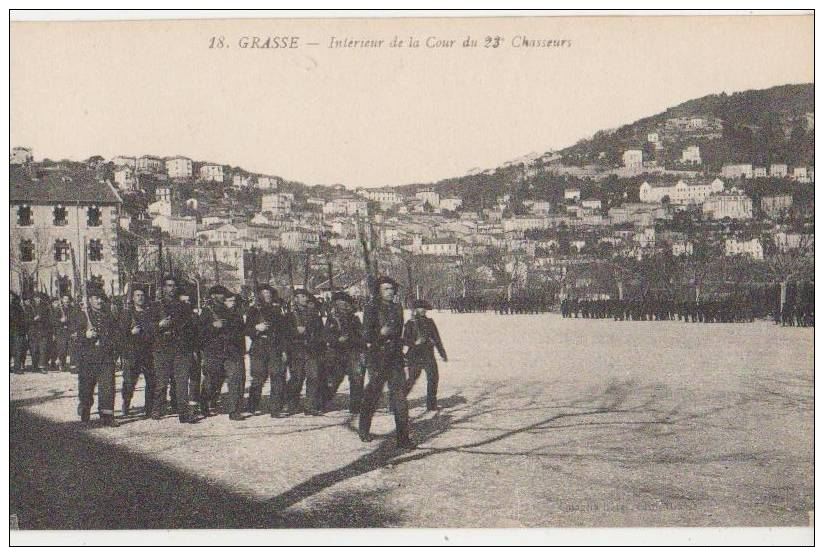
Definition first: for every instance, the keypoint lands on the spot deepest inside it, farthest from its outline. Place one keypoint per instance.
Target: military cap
(219, 289)
(140, 287)
(267, 287)
(96, 290)
(385, 279)
(342, 297)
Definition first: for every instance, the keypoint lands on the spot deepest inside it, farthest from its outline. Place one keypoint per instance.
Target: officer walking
(96, 344)
(265, 326)
(135, 328)
(223, 346)
(169, 317)
(306, 343)
(383, 331)
(345, 343)
(421, 336)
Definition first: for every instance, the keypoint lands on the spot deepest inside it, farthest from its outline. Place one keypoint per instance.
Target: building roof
(60, 187)
(687, 181)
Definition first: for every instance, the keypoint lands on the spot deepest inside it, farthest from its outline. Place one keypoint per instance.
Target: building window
(61, 216)
(95, 250)
(24, 216)
(93, 216)
(26, 251)
(62, 251)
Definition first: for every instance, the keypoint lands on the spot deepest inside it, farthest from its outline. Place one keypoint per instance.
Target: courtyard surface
(544, 422)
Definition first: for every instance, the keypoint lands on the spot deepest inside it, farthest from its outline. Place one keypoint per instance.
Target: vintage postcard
(536, 271)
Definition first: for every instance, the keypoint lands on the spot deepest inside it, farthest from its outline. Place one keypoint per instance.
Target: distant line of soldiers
(516, 304)
(189, 354)
(795, 314)
(736, 309)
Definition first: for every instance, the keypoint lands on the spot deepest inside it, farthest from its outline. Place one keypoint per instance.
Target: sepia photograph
(540, 271)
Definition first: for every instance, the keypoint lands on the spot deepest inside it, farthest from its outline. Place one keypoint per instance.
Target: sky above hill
(375, 116)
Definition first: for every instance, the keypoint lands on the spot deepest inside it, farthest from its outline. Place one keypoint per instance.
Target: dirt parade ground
(545, 422)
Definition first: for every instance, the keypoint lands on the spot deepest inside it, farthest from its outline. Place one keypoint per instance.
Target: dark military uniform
(192, 349)
(169, 353)
(385, 358)
(137, 356)
(421, 336)
(223, 349)
(62, 320)
(39, 327)
(96, 362)
(266, 355)
(18, 338)
(343, 358)
(305, 358)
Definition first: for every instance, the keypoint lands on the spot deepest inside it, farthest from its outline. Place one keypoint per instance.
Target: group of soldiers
(189, 354)
(503, 304)
(795, 314)
(734, 309)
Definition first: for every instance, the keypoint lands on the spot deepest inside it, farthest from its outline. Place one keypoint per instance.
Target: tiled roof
(60, 187)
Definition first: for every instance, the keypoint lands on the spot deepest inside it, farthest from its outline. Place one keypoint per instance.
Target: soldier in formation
(383, 334)
(265, 327)
(733, 309)
(97, 337)
(135, 329)
(167, 342)
(344, 351)
(222, 332)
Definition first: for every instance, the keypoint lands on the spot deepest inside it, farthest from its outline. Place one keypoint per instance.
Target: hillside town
(550, 227)
(212, 217)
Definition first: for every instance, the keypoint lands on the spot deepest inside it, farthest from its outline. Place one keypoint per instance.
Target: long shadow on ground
(63, 478)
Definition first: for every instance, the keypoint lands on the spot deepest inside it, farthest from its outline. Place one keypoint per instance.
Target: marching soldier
(421, 336)
(222, 333)
(345, 340)
(39, 327)
(63, 318)
(18, 338)
(265, 327)
(136, 328)
(169, 317)
(306, 343)
(96, 344)
(191, 347)
(383, 330)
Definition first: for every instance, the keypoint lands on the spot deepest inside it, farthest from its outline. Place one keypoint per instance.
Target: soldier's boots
(254, 400)
(125, 408)
(235, 416)
(204, 408)
(185, 417)
(84, 412)
(108, 420)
